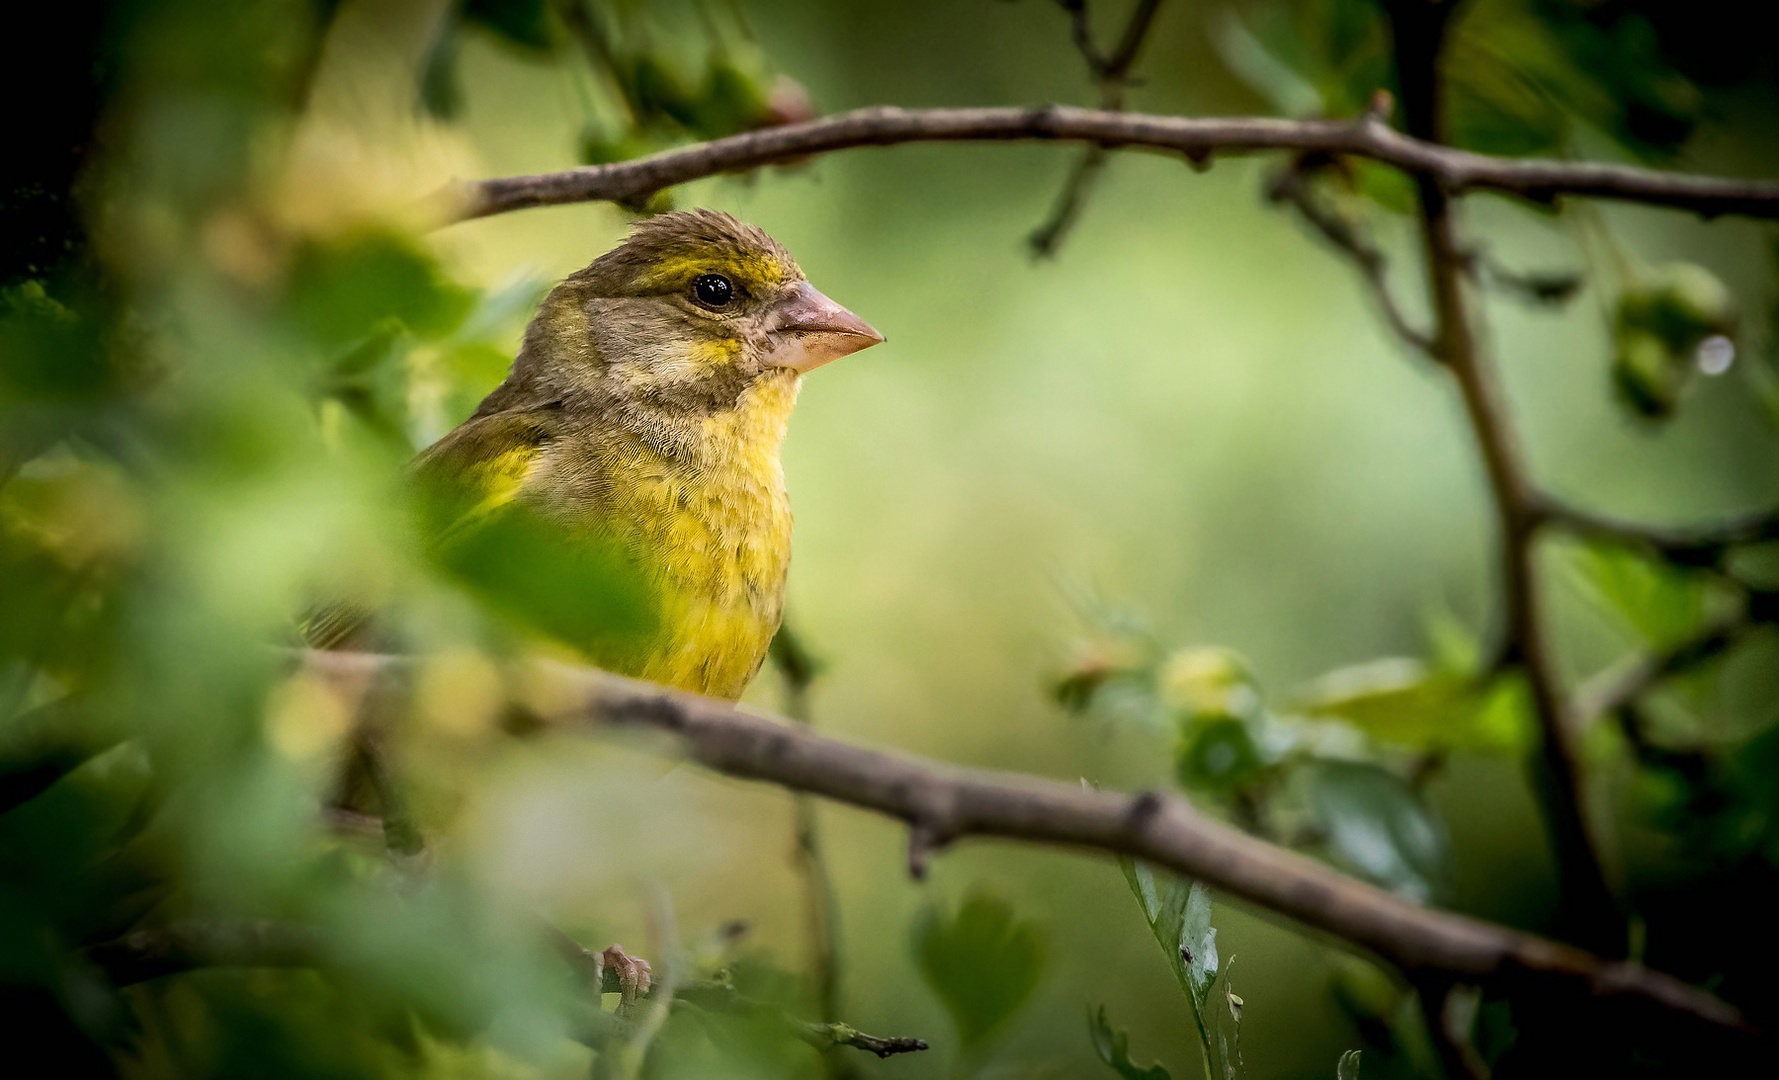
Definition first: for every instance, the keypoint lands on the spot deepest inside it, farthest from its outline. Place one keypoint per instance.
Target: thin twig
(798, 667)
(1291, 186)
(1160, 829)
(1453, 171)
(721, 996)
(1698, 545)
(1112, 73)
(830, 1035)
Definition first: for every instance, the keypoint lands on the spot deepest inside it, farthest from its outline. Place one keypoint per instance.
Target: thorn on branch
(923, 840)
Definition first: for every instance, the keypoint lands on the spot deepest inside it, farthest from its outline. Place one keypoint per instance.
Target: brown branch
(1590, 912)
(1453, 171)
(1698, 545)
(957, 803)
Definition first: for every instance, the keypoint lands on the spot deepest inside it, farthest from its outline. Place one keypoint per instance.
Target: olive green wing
(462, 480)
(479, 468)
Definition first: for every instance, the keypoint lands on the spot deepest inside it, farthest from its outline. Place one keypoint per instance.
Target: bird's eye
(713, 291)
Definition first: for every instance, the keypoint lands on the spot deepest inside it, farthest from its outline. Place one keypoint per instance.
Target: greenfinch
(645, 410)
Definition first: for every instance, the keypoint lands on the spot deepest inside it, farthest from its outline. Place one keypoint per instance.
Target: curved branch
(952, 803)
(1455, 171)
(1696, 545)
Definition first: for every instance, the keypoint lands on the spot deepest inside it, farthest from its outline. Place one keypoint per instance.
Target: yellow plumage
(646, 409)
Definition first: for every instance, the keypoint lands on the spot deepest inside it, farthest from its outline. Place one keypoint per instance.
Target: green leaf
(1215, 754)
(982, 962)
(1662, 325)
(1380, 829)
(1348, 1067)
(1113, 1048)
(344, 288)
(1179, 915)
(1403, 701)
(1659, 603)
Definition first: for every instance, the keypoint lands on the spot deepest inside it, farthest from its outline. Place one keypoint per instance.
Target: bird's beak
(808, 330)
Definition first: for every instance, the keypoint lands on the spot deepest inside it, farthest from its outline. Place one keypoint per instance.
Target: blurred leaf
(982, 962)
(1661, 604)
(1313, 58)
(1403, 701)
(658, 88)
(53, 350)
(1114, 1049)
(736, 94)
(440, 94)
(1668, 325)
(1363, 989)
(1681, 304)
(1348, 1067)
(1215, 754)
(1207, 681)
(1648, 376)
(1289, 93)
(1453, 648)
(38, 748)
(1523, 72)
(524, 23)
(344, 288)
(1390, 189)
(1379, 828)
(370, 384)
(580, 588)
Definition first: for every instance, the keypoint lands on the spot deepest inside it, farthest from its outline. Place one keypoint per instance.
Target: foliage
(981, 961)
(210, 387)
(1327, 775)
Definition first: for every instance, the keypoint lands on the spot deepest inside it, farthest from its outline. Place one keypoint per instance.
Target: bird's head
(691, 310)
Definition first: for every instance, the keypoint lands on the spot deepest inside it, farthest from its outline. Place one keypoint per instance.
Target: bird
(644, 412)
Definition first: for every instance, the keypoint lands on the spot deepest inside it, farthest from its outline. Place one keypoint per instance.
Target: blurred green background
(1192, 414)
